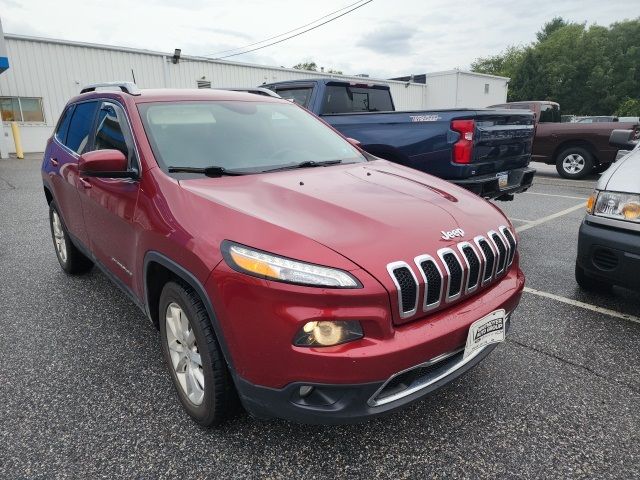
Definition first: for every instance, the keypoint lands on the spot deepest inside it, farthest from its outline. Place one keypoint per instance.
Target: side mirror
(623, 139)
(354, 142)
(105, 164)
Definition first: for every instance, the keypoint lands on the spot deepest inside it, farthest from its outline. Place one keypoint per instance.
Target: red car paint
(357, 217)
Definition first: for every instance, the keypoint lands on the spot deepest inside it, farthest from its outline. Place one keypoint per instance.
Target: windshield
(240, 136)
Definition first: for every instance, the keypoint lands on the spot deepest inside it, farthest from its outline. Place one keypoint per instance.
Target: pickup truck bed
(486, 151)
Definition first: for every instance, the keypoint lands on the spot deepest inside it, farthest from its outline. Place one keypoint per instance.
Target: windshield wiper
(307, 164)
(211, 171)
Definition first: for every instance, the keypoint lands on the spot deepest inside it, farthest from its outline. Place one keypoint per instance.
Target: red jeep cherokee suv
(277, 259)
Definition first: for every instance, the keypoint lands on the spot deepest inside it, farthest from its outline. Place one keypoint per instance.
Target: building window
(21, 109)
(203, 83)
(486, 88)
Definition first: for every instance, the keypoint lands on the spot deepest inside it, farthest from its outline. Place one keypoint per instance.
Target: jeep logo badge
(457, 232)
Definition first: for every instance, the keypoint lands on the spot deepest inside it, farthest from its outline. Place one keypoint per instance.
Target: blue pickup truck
(485, 151)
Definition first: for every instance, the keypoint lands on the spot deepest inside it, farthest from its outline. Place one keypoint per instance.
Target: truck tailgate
(503, 140)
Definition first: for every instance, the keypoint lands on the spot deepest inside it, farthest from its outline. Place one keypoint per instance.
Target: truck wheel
(72, 260)
(194, 358)
(574, 163)
(591, 284)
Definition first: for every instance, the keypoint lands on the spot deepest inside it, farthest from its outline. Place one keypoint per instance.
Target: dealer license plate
(483, 332)
(503, 180)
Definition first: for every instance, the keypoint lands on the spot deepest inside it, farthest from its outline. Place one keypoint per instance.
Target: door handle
(53, 162)
(85, 183)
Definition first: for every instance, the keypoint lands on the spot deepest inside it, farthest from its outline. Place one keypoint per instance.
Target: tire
(591, 284)
(72, 260)
(204, 387)
(602, 167)
(574, 163)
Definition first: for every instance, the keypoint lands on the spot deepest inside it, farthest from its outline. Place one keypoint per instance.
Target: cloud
(393, 38)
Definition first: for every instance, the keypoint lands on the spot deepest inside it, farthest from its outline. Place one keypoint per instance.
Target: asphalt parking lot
(84, 392)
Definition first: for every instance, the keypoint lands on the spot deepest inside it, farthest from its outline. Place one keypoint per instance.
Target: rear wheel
(72, 260)
(194, 358)
(591, 284)
(574, 163)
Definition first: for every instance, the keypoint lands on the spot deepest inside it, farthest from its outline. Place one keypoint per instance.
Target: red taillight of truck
(463, 148)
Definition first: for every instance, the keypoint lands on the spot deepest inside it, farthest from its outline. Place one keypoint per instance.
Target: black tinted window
(109, 131)
(63, 125)
(80, 126)
(299, 95)
(549, 114)
(345, 99)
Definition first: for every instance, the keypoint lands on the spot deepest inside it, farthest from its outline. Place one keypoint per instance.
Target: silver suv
(609, 239)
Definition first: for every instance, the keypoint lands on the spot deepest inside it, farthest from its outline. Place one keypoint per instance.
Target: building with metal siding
(55, 70)
(459, 88)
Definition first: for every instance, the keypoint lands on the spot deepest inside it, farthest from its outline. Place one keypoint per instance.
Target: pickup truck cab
(277, 259)
(609, 238)
(485, 151)
(576, 149)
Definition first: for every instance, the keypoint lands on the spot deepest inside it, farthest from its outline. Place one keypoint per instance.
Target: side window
(110, 131)
(80, 126)
(63, 125)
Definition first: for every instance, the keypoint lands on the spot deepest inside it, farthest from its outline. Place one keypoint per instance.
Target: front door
(109, 204)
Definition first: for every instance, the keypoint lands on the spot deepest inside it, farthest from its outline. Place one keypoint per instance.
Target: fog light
(305, 390)
(327, 333)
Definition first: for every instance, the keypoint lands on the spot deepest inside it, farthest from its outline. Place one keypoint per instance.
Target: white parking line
(554, 195)
(520, 220)
(586, 306)
(548, 218)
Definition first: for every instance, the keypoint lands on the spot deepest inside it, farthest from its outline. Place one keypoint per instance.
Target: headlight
(622, 206)
(273, 267)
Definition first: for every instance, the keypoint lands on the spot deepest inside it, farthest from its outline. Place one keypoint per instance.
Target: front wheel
(194, 358)
(574, 163)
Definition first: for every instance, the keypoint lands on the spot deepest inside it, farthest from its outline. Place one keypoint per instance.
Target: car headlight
(273, 267)
(621, 206)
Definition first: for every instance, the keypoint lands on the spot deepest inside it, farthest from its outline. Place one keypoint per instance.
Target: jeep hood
(372, 213)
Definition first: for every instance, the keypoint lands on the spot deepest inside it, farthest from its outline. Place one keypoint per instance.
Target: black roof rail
(126, 87)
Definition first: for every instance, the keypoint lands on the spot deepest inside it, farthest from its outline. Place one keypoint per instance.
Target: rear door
(61, 161)
(109, 203)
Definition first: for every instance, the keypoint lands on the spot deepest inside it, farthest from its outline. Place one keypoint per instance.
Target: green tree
(629, 108)
(555, 24)
(311, 66)
(588, 70)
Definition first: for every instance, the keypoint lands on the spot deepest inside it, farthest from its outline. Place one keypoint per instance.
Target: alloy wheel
(185, 357)
(58, 237)
(573, 163)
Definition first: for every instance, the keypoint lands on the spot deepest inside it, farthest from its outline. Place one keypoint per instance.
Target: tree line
(592, 70)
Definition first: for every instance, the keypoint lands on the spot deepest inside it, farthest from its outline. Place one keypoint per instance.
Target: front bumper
(486, 186)
(338, 404)
(610, 254)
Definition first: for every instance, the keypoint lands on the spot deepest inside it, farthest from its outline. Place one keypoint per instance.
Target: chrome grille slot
(511, 241)
(455, 273)
(407, 285)
(432, 277)
(501, 258)
(489, 258)
(474, 265)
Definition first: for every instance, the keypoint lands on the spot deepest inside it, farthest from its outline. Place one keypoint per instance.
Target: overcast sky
(385, 38)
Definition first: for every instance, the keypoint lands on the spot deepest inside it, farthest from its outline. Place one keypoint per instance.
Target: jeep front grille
(407, 285)
(453, 273)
